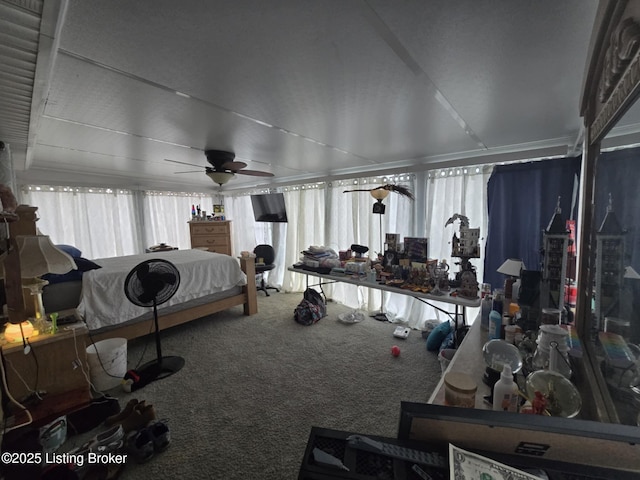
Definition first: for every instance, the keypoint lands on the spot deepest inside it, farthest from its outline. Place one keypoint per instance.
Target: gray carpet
(252, 388)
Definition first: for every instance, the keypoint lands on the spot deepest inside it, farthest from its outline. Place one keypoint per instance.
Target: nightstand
(57, 366)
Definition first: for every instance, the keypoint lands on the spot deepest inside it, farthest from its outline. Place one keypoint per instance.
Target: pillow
(85, 265)
(437, 335)
(70, 250)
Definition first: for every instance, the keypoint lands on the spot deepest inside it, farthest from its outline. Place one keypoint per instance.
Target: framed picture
(392, 240)
(417, 248)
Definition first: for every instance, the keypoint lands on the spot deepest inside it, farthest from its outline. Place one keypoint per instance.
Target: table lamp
(511, 268)
(38, 255)
(378, 208)
(379, 195)
(630, 272)
(14, 332)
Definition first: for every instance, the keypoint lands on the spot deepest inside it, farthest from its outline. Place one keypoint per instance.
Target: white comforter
(104, 303)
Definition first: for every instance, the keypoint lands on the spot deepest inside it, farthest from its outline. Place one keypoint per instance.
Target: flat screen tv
(269, 207)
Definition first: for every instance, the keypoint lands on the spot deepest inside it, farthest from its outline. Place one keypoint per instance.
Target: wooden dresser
(214, 235)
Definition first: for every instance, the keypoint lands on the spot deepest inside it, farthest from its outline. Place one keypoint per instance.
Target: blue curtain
(521, 200)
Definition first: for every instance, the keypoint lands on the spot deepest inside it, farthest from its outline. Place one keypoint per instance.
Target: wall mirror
(615, 255)
(608, 304)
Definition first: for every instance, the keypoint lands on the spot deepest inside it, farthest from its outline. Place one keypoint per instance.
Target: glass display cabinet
(608, 295)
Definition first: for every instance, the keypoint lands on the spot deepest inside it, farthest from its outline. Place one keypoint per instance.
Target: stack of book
(314, 255)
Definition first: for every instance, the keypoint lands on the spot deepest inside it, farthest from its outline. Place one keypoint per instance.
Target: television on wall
(269, 207)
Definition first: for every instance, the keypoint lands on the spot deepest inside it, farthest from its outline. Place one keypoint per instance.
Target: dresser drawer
(205, 228)
(211, 241)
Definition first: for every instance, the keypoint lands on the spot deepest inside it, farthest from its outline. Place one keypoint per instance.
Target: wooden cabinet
(215, 236)
(56, 367)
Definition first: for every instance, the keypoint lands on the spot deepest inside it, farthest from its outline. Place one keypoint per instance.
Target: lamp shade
(511, 267)
(38, 255)
(220, 177)
(379, 193)
(630, 272)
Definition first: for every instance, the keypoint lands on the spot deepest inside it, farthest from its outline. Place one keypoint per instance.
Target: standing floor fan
(151, 283)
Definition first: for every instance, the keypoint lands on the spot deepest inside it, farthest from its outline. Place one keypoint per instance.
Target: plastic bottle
(485, 309)
(505, 392)
(371, 277)
(515, 291)
(193, 211)
(495, 325)
(498, 301)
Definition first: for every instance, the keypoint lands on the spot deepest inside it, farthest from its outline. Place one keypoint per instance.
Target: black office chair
(268, 255)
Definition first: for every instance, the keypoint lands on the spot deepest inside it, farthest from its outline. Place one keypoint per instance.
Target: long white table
(468, 359)
(460, 303)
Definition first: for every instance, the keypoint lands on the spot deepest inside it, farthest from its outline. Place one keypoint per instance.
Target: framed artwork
(417, 248)
(392, 240)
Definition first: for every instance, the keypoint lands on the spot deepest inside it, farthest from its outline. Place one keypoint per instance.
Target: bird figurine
(404, 191)
(464, 221)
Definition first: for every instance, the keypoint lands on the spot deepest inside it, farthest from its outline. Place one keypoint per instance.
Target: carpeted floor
(252, 388)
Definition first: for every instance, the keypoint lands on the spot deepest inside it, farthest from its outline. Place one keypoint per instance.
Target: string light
(314, 185)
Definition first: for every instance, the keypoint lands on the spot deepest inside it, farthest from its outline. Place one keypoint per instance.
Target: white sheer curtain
(105, 223)
(165, 216)
(306, 226)
(447, 192)
(306, 212)
(350, 220)
(99, 222)
(246, 233)
(323, 214)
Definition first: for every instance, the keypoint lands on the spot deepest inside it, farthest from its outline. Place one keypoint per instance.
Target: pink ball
(395, 350)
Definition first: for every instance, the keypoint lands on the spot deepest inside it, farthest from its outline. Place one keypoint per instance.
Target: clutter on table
(402, 265)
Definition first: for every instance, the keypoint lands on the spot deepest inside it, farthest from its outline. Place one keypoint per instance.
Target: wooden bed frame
(248, 298)
(22, 305)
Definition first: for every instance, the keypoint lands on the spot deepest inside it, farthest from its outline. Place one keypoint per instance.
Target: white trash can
(107, 361)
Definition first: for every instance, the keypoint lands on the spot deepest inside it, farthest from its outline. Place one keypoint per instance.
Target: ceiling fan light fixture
(220, 177)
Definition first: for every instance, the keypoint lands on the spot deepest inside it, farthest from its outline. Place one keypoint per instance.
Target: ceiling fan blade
(184, 163)
(234, 166)
(255, 173)
(190, 171)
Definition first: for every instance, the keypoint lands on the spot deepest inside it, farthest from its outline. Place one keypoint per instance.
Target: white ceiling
(303, 89)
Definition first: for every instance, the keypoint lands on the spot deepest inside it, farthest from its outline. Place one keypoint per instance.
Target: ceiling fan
(223, 167)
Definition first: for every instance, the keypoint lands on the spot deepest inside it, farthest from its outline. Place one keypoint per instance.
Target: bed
(209, 283)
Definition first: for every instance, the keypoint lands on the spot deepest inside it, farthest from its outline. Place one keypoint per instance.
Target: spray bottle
(505, 392)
